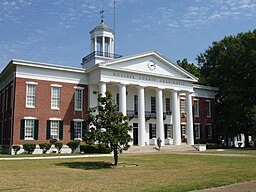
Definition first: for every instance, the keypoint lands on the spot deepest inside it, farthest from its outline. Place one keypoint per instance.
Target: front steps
(154, 149)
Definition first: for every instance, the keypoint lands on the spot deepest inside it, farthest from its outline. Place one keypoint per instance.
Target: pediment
(150, 63)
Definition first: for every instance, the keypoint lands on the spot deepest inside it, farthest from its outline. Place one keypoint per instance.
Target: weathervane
(102, 15)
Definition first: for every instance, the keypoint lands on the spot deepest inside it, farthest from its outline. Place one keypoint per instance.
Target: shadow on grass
(87, 165)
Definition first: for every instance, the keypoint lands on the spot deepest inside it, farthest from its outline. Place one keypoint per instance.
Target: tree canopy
(192, 68)
(108, 126)
(230, 64)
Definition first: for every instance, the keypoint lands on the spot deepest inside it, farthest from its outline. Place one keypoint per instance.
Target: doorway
(135, 133)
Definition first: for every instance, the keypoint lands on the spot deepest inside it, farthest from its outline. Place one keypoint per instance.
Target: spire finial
(102, 15)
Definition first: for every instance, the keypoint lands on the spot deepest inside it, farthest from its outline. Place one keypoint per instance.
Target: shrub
(16, 148)
(95, 148)
(58, 146)
(45, 147)
(212, 146)
(29, 147)
(104, 149)
(73, 145)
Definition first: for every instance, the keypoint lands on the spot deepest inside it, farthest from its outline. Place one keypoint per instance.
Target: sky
(57, 31)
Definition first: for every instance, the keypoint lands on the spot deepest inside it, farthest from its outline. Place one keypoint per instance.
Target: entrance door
(135, 133)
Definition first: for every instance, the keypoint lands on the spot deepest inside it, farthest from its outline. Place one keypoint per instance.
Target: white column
(122, 99)
(141, 116)
(95, 44)
(159, 115)
(189, 115)
(102, 88)
(103, 45)
(176, 118)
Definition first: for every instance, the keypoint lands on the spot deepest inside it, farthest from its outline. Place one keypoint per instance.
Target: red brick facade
(43, 111)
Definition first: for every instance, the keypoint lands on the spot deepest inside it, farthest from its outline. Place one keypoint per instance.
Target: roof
(102, 27)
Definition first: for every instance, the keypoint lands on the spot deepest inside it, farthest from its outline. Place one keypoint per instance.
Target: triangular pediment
(150, 63)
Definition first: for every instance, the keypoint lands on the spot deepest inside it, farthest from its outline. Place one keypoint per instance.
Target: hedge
(95, 148)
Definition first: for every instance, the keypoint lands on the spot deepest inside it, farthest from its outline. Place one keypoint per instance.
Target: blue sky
(57, 31)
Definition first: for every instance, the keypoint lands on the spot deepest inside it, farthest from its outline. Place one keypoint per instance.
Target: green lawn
(155, 172)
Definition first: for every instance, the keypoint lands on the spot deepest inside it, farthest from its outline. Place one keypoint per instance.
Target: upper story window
(196, 108)
(55, 97)
(136, 103)
(31, 94)
(153, 104)
(183, 107)
(208, 108)
(78, 99)
(167, 105)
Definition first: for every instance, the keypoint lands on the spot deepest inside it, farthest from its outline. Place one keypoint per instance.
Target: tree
(108, 126)
(230, 64)
(192, 68)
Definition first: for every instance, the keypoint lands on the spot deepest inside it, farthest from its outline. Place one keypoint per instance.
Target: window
(168, 131)
(54, 129)
(31, 94)
(78, 129)
(117, 99)
(55, 100)
(167, 105)
(208, 108)
(197, 131)
(183, 107)
(78, 99)
(136, 103)
(196, 108)
(29, 128)
(153, 104)
(209, 130)
(152, 131)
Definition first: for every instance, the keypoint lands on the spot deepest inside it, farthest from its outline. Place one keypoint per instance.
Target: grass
(155, 172)
(234, 151)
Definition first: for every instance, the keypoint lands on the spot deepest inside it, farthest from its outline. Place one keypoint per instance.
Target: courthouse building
(41, 102)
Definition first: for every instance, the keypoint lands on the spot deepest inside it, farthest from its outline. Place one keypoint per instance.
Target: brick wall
(43, 111)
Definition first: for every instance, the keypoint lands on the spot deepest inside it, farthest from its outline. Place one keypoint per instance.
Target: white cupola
(102, 46)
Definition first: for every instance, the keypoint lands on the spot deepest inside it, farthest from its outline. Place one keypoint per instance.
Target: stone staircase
(154, 149)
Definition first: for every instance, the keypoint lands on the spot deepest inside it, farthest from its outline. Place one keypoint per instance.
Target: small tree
(45, 147)
(16, 148)
(58, 146)
(73, 145)
(29, 147)
(108, 126)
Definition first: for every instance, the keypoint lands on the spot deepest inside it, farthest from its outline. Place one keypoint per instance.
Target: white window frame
(197, 128)
(209, 135)
(31, 127)
(208, 108)
(54, 128)
(31, 95)
(78, 101)
(55, 97)
(196, 108)
(78, 129)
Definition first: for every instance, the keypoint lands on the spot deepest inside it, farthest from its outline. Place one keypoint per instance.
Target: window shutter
(72, 130)
(22, 129)
(84, 127)
(36, 130)
(61, 130)
(48, 131)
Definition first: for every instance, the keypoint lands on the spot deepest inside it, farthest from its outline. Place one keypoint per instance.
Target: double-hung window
(209, 130)
(78, 99)
(55, 96)
(183, 107)
(197, 131)
(168, 105)
(78, 125)
(30, 94)
(152, 131)
(196, 108)
(29, 128)
(54, 129)
(153, 104)
(208, 108)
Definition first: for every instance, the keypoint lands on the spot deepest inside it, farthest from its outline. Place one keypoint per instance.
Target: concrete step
(154, 149)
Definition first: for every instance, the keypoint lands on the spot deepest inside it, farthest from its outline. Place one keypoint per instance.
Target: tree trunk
(115, 155)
